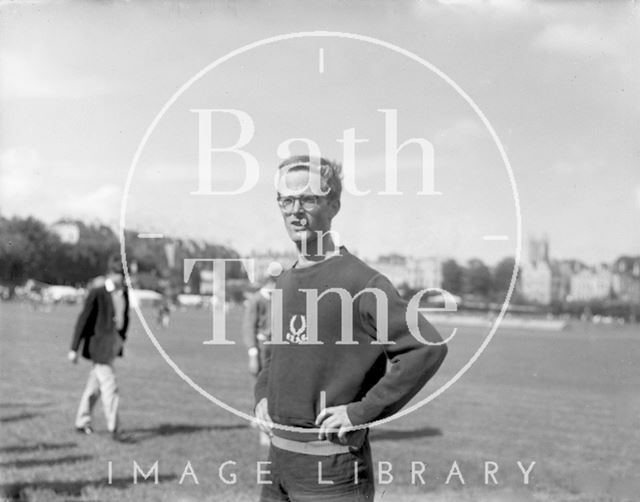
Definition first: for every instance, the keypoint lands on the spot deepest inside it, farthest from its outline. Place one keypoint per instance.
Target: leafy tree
(27, 250)
(452, 277)
(478, 278)
(13, 267)
(502, 274)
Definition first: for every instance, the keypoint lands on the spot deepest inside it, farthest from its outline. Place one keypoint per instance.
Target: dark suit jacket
(96, 325)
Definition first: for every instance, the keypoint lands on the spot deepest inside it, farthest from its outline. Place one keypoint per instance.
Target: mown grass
(568, 401)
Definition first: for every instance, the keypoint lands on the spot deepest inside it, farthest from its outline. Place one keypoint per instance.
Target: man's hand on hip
(254, 362)
(262, 414)
(332, 420)
(72, 356)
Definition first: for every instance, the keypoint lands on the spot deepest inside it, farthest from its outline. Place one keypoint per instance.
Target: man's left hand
(254, 364)
(332, 419)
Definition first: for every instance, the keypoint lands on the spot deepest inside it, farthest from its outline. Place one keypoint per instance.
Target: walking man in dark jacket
(101, 330)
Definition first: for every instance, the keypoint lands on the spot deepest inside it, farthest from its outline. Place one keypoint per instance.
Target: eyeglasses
(307, 202)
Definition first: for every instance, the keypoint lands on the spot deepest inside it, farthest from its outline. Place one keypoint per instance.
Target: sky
(81, 85)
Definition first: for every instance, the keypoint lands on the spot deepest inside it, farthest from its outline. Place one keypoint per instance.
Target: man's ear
(335, 207)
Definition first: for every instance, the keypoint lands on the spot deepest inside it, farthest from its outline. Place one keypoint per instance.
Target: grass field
(569, 401)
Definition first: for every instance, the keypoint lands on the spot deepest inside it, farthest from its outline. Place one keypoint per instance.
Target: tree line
(30, 250)
(477, 279)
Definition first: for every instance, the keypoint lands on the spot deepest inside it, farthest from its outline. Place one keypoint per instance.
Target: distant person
(321, 391)
(163, 312)
(257, 330)
(101, 329)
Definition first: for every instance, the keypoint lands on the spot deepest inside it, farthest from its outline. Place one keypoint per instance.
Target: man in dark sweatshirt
(342, 324)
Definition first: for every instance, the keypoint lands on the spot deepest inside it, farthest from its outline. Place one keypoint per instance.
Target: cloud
(460, 2)
(13, 3)
(574, 160)
(102, 204)
(165, 172)
(604, 45)
(32, 185)
(20, 77)
(494, 6)
(576, 40)
(459, 132)
(21, 176)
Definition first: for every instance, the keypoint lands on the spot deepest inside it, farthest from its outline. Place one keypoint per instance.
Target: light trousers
(101, 383)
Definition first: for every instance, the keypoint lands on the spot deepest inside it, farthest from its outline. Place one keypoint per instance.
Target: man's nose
(297, 206)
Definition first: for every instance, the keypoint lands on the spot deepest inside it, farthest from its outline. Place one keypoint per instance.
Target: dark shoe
(119, 437)
(85, 429)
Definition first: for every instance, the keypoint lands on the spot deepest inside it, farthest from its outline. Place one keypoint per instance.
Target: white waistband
(309, 447)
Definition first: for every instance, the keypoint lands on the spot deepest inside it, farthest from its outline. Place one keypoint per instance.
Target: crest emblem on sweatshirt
(299, 334)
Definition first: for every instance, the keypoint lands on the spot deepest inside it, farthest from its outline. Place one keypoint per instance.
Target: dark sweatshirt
(355, 375)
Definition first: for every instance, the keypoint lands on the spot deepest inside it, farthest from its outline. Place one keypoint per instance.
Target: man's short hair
(330, 172)
(114, 264)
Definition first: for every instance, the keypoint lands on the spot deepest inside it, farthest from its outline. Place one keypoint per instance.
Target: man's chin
(300, 236)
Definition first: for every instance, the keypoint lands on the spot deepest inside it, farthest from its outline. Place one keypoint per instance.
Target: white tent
(143, 296)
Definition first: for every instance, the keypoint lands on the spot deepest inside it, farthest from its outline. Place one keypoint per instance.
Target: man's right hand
(72, 356)
(262, 414)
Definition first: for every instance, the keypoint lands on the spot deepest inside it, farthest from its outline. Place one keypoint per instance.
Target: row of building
(415, 273)
(543, 280)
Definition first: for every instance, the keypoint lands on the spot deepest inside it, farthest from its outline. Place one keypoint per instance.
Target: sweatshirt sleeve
(412, 362)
